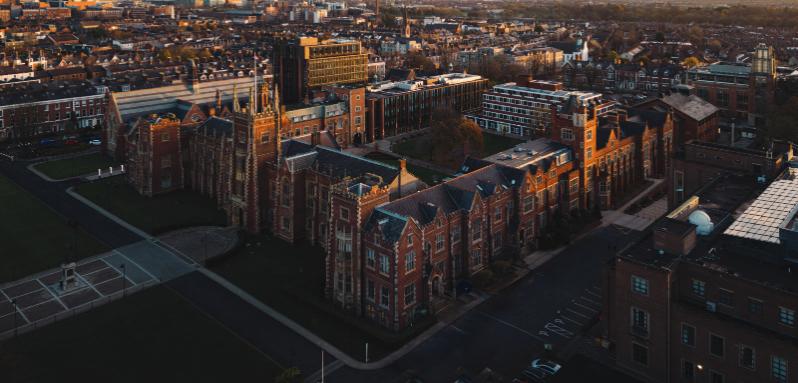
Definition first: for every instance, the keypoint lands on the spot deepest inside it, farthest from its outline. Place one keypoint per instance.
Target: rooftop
(761, 220)
(693, 106)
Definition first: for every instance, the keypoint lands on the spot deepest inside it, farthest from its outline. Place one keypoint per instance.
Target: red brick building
(154, 155)
(707, 297)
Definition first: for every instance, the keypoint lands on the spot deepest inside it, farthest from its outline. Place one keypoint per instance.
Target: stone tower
(256, 145)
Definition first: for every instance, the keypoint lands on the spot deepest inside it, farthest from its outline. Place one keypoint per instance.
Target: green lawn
(431, 177)
(76, 166)
(153, 335)
(493, 143)
(421, 149)
(290, 279)
(158, 214)
(34, 238)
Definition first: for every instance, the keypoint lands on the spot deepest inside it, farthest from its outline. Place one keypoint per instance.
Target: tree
(614, 56)
(418, 61)
(691, 61)
(289, 375)
(453, 137)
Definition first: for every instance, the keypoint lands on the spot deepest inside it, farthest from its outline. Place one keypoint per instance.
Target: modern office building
(525, 107)
(306, 63)
(401, 106)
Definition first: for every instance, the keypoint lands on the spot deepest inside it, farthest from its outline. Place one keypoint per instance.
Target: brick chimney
(315, 138)
(524, 80)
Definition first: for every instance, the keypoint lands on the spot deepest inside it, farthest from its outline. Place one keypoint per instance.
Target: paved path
(202, 242)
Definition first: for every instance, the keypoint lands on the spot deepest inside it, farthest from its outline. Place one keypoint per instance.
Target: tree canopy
(453, 137)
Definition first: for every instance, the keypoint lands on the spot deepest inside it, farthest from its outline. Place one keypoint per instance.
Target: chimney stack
(524, 80)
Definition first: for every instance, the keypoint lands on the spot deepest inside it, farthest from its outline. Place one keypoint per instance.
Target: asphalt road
(504, 333)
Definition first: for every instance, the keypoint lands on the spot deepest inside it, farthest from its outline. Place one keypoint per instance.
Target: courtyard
(420, 147)
(151, 335)
(429, 176)
(154, 215)
(34, 237)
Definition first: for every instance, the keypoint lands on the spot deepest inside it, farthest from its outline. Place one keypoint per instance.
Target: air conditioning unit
(711, 307)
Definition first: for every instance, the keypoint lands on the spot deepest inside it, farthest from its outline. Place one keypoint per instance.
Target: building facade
(304, 64)
(707, 297)
(402, 106)
(741, 91)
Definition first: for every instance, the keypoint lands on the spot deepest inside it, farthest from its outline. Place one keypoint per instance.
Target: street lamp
(16, 310)
(124, 280)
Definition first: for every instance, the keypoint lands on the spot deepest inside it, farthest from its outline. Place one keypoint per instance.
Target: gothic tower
(256, 144)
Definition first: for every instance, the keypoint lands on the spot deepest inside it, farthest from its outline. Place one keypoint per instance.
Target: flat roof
(761, 220)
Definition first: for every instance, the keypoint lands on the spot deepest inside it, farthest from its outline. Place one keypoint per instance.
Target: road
(510, 329)
(550, 305)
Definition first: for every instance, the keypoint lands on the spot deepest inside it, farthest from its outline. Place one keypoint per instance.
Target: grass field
(430, 177)
(178, 209)
(76, 166)
(153, 335)
(419, 147)
(34, 238)
(290, 279)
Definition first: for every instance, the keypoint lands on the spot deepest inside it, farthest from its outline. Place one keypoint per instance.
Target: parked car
(71, 141)
(48, 142)
(547, 366)
(95, 142)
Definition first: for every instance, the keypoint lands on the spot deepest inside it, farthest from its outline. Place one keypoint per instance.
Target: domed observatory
(702, 221)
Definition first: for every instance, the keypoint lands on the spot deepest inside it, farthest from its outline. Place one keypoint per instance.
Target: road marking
(578, 313)
(593, 294)
(508, 324)
(558, 321)
(544, 333)
(591, 301)
(458, 329)
(558, 330)
(585, 307)
(572, 320)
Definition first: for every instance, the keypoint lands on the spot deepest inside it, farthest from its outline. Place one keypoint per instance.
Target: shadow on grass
(290, 279)
(157, 214)
(153, 335)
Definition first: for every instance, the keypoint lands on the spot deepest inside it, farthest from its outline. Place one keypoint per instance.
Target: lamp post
(16, 310)
(124, 280)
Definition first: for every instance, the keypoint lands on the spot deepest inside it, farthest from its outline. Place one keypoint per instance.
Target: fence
(72, 312)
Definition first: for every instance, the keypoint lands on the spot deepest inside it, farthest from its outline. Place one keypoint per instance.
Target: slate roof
(602, 137)
(693, 106)
(391, 225)
(217, 127)
(341, 164)
(454, 195)
(654, 118)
